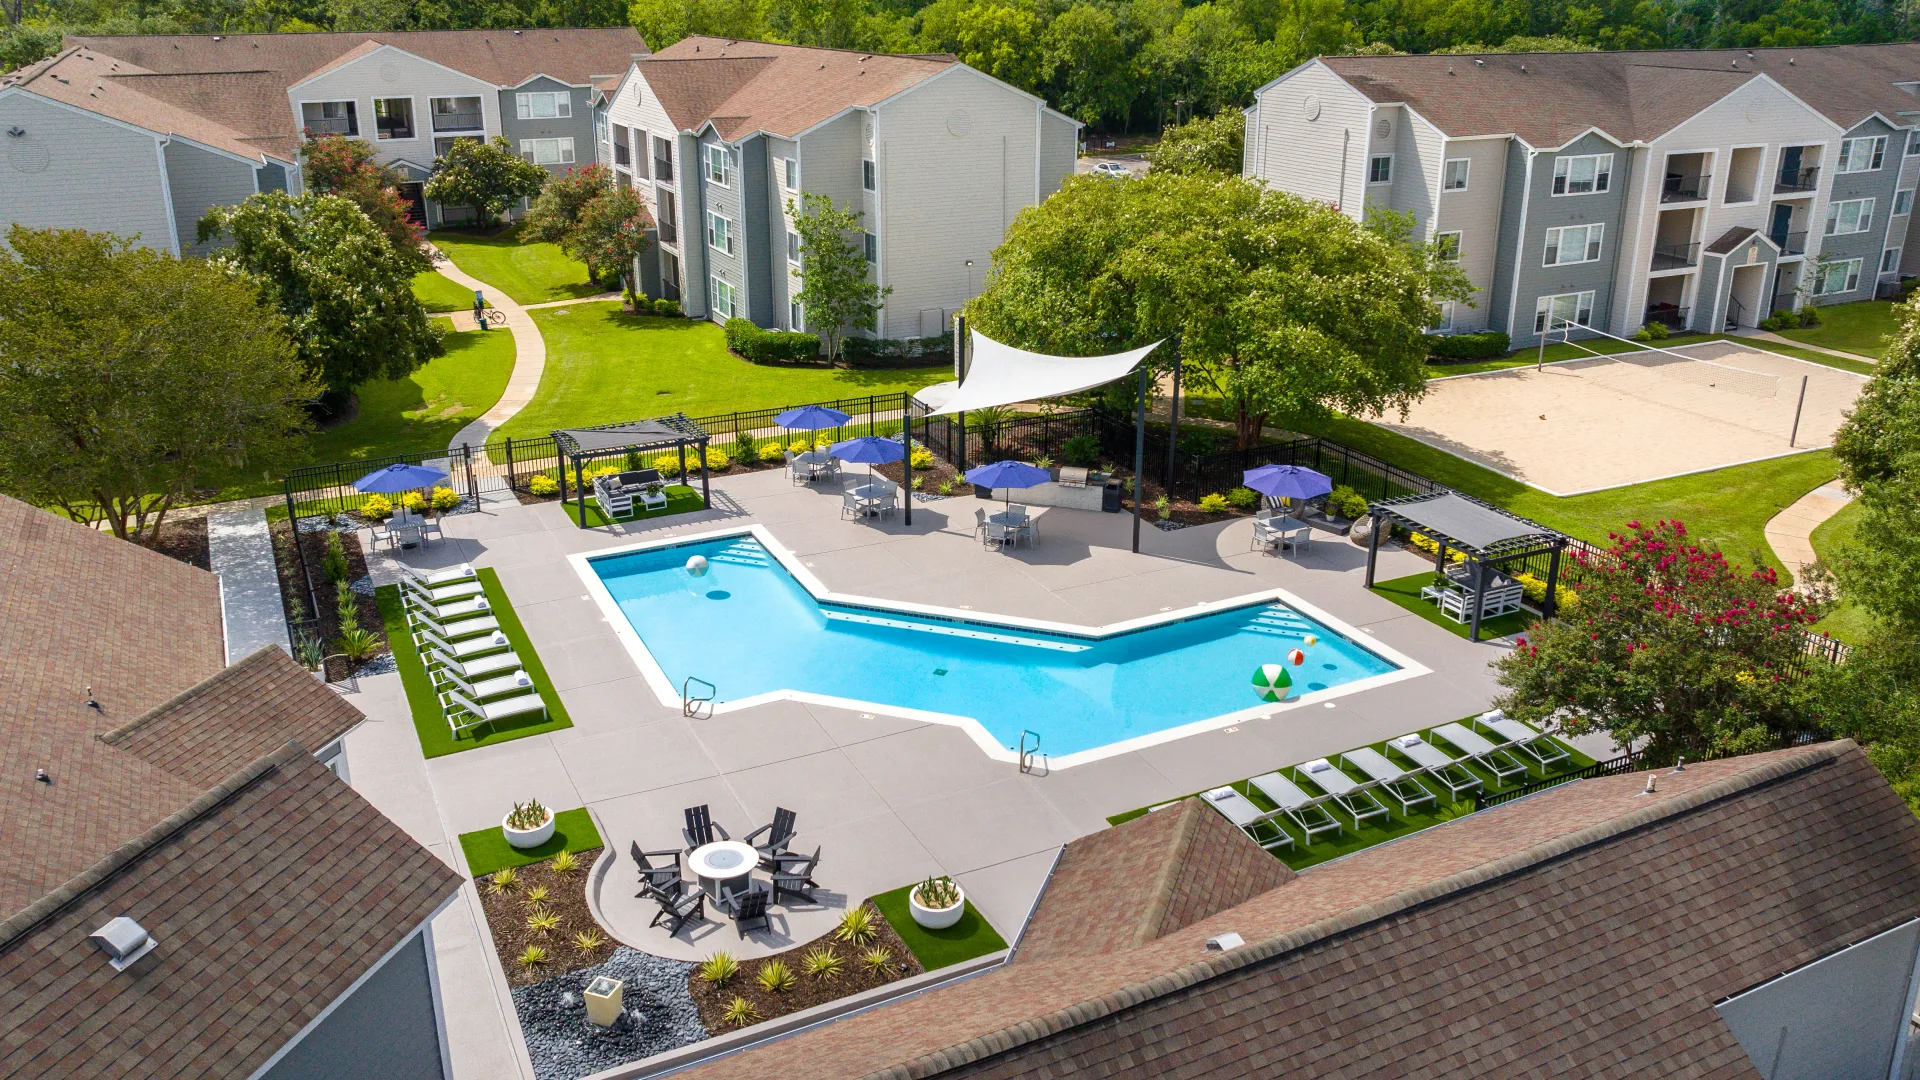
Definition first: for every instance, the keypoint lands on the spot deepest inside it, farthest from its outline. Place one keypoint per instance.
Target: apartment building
(141, 135)
(721, 136)
(1698, 189)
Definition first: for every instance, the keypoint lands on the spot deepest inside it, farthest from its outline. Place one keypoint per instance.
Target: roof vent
(1789, 61)
(1224, 942)
(124, 941)
(516, 33)
(1477, 62)
(216, 37)
(1523, 67)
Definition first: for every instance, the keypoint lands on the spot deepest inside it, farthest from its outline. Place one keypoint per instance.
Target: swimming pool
(754, 630)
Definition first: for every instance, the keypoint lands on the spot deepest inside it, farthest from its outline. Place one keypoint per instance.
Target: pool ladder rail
(1031, 757)
(690, 703)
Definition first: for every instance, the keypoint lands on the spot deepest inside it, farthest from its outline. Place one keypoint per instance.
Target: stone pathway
(1790, 532)
(240, 549)
(529, 353)
(1768, 335)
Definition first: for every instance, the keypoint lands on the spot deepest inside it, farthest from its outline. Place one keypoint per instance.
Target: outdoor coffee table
(721, 863)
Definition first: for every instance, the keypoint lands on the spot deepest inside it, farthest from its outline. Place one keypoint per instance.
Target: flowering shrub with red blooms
(1670, 643)
(337, 165)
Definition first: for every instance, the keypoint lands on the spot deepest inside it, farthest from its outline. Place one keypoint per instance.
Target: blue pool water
(749, 628)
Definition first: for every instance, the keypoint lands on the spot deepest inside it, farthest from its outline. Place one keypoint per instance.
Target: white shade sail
(1002, 375)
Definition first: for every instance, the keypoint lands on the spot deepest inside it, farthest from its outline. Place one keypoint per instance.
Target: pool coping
(670, 697)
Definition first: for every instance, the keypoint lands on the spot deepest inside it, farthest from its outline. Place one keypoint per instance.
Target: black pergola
(1484, 533)
(579, 445)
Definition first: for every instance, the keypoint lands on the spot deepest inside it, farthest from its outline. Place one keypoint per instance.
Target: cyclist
(480, 309)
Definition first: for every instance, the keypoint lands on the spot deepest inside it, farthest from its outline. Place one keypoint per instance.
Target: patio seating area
(475, 672)
(1477, 548)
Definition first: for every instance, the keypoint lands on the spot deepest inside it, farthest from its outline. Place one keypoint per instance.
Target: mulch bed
(566, 897)
(807, 991)
(184, 539)
(293, 587)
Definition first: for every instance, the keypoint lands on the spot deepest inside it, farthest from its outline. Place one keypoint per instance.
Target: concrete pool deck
(889, 800)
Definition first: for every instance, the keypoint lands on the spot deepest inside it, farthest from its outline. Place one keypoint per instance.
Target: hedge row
(1482, 346)
(771, 346)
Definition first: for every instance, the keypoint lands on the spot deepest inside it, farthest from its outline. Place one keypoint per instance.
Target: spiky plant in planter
(938, 893)
(527, 815)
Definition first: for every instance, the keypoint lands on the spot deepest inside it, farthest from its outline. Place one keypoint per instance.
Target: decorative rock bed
(660, 1016)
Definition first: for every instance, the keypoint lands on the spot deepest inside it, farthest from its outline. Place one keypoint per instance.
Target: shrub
(740, 1012)
(377, 508)
(503, 881)
(877, 959)
(333, 564)
(775, 977)
(821, 962)
(1809, 316)
(669, 464)
(1243, 497)
(801, 446)
(1214, 503)
(719, 968)
(443, 499)
(359, 644)
(750, 342)
(1346, 502)
(564, 863)
(666, 307)
(717, 459)
(1644, 334)
(1481, 346)
(543, 485)
(745, 448)
(414, 501)
(857, 926)
(535, 895)
(588, 940)
(1163, 507)
(541, 921)
(1657, 330)
(1420, 542)
(1536, 591)
(1082, 450)
(945, 487)
(1777, 321)
(771, 450)
(922, 458)
(532, 956)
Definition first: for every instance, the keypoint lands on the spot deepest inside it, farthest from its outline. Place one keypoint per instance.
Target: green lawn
(680, 500)
(438, 293)
(1856, 328)
(528, 273)
(1848, 622)
(605, 366)
(487, 850)
(429, 722)
(1405, 591)
(970, 937)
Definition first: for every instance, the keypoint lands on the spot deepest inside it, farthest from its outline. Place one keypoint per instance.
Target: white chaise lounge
(1450, 773)
(1408, 791)
(1306, 811)
(1240, 810)
(1355, 798)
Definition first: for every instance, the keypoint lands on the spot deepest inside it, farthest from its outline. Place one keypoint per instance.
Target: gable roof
(1588, 907)
(268, 896)
(749, 86)
(111, 87)
(1549, 99)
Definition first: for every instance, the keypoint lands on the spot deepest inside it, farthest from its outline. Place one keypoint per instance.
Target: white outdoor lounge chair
(463, 712)
(1240, 810)
(479, 646)
(1524, 738)
(434, 579)
(514, 682)
(453, 609)
(1457, 778)
(1475, 745)
(474, 668)
(1305, 810)
(1355, 799)
(457, 630)
(1408, 791)
(443, 593)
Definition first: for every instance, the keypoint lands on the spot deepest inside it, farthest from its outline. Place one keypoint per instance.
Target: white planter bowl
(937, 918)
(528, 838)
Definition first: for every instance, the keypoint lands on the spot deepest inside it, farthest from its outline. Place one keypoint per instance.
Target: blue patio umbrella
(1008, 474)
(811, 418)
(397, 478)
(1287, 481)
(869, 450)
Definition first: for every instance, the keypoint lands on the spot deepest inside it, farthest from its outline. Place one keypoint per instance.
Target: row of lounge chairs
(475, 672)
(1386, 780)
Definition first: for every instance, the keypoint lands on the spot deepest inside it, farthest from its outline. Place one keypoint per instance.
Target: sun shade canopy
(1003, 375)
(637, 434)
(1466, 523)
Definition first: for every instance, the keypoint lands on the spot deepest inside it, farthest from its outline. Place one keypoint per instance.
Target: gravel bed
(565, 1045)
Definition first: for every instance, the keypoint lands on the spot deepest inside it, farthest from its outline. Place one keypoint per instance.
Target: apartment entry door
(415, 194)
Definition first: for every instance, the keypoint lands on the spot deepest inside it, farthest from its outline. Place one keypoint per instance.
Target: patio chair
(777, 833)
(1355, 798)
(477, 666)
(851, 506)
(701, 828)
(430, 526)
(1524, 738)
(1296, 539)
(1455, 777)
(440, 594)
(794, 876)
(1495, 759)
(665, 878)
(1402, 785)
(980, 523)
(477, 646)
(677, 910)
(999, 535)
(885, 504)
(452, 609)
(1265, 535)
(463, 712)
(748, 905)
(1240, 810)
(433, 579)
(455, 630)
(406, 535)
(514, 682)
(1305, 811)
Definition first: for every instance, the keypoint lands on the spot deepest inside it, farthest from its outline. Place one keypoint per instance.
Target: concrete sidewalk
(240, 550)
(529, 353)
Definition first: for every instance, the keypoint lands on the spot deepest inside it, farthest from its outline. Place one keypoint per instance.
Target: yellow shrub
(543, 485)
(414, 501)
(377, 508)
(772, 451)
(445, 498)
(922, 458)
(717, 459)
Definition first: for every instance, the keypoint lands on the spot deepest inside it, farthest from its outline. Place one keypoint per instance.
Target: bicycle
(493, 317)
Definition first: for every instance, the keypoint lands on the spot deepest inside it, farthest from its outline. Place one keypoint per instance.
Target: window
(670, 275)
(1890, 260)
(1852, 216)
(793, 248)
(717, 165)
(1573, 244)
(866, 174)
(1913, 142)
(544, 106)
(1444, 324)
(639, 153)
(393, 118)
(662, 160)
(790, 174)
(441, 146)
(721, 297)
(1455, 178)
(669, 219)
(622, 155)
(1863, 154)
(719, 233)
(1837, 277)
(873, 247)
(1447, 246)
(547, 151)
(1903, 201)
(1586, 175)
(329, 118)
(796, 317)
(1380, 169)
(601, 133)
(458, 114)
(1565, 310)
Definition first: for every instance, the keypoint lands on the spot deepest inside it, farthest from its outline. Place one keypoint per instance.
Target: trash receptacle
(1110, 497)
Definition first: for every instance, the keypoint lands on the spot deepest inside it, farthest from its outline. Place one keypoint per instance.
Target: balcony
(1675, 256)
(1790, 243)
(669, 232)
(1791, 181)
(1685, 188)
(663, 169)
(459, 121)
(1674, 318)
(333, 127)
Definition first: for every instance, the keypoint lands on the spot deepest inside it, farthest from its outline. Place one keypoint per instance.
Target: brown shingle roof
(748, 86)
(1549, 99)
(1607, 919)
(239, 715)
(101, 84)
(268, 896)
(1731, 239)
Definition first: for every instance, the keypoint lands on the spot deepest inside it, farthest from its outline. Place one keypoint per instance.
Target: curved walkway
(1790, 532)
(529, 354)
(1780, 339)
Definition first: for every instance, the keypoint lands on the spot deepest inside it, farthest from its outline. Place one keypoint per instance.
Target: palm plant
(857, 926)
(740, 1012)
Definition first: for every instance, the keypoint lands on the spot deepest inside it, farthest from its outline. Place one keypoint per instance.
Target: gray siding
(1878, 185)
(728, 202)
(271, 177)
(74, 170)
(1475, 215)
(1548, 211)
(781, 283)
(1840, 1016)
(578, 127)
(1059, 151)
(1308, 134)
(1513, 209)
(758, 232)
(200, 180)
(387, 1029)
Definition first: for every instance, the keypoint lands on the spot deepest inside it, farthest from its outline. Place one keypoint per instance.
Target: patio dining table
(820, 461)
(872, 496)
(721, 863)
(1022, 524)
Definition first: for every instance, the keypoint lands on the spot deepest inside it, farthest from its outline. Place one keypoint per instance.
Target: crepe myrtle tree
(337, 165)
(612, 233)
(836, 290)
(554, 217)
(1284, 307)
(488, 176)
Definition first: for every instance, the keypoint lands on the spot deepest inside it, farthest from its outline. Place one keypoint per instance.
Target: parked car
(1112, 168)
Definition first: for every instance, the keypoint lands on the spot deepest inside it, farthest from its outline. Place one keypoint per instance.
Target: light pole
(969, 295)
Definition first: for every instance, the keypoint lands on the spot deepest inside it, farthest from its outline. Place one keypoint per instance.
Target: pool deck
(889, 800)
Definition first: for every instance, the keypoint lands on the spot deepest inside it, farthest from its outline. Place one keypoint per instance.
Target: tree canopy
(1203, 144)
(128, 376)
(488, 176)
(836, 290)
(337, 165)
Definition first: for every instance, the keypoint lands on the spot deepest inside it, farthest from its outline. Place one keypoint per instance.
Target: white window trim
(1459, 235)
(1851, 269)
(717, 224)
(1543, 306)
(479, 98)
(1895, 210)
(1445, 325)
(413, 117)
(1846, 155)
(793, 249)
(301, 108)
(563, 147)
(790, 174)
(1466, 173)
(1371, 159)
(719, 151)
(1895, 253)
(1864, 221)
(869, 175)
(715, 286)
(870, 247)
(1557, 245)
(796, 316)
(523, 104)
(1568, 159)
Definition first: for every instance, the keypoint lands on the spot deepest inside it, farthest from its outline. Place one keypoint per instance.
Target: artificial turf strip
(970, 937)
(487, 850)
(1405, 591)
(429, 722)
(680, 500)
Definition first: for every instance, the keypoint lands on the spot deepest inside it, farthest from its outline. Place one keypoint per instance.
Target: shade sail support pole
(1139, 455)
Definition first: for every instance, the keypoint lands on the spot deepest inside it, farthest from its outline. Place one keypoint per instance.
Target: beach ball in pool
(697, 566)
(1310, 641)
(1271, 682)
(1296, 658)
